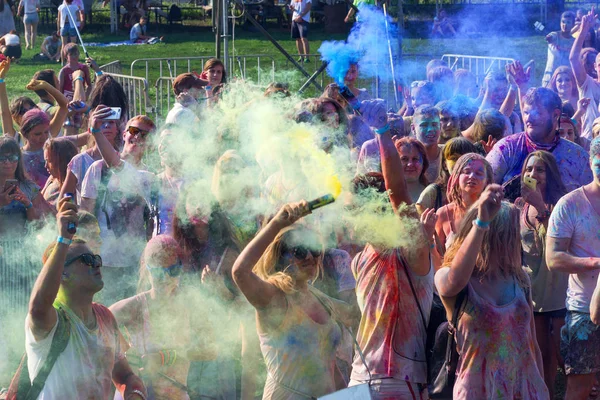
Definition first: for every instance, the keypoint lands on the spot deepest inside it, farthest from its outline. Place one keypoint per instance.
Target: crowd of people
(185, 259)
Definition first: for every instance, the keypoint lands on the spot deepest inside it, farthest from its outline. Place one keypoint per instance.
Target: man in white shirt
(63, 294)
(188, 88)
(300, 21)
(138, 31)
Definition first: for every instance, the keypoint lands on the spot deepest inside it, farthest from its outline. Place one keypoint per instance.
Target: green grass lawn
(200, 42)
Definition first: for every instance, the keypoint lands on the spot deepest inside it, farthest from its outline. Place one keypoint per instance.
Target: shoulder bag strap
(460, 299)
(58, 345)
(438, 197)
(412, 288)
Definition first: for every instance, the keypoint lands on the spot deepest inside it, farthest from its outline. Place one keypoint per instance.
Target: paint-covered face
(38, 136)
(421, 96)
(567, 131)
(595, 165)
(164, 270)
(427, 129)
(110, 129)
(498, 90)
(51, 166)
(8, 164)
(330, 116)
(79, 274)
(215, 75)
(303, 264)
(473, 178)
(412, 163)
(566, 24)
(538, 121)
(564, 85)
(352, 74)
(450, 165)
(536, 169)
(450, 126)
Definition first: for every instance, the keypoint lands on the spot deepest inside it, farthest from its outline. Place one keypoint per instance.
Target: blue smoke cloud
(367, 46)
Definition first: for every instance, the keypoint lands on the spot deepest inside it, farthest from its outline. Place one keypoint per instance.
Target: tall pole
(217, 27)
(225, 29)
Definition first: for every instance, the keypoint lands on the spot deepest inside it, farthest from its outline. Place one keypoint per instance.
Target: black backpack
(21, 387)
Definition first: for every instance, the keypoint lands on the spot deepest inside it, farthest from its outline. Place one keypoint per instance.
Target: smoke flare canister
(72, 227)
(320, 202)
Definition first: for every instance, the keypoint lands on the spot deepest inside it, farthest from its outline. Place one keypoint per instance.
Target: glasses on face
(173, 271)
(12, 158)
(415, 84)
(301, 252)
(134, 131)
(89, 259)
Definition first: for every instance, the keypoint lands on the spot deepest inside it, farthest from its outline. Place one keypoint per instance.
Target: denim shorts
(31, 18)
(579, 344)
(68, 30)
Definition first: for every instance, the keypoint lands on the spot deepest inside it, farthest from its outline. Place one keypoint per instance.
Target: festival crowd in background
(186, 260)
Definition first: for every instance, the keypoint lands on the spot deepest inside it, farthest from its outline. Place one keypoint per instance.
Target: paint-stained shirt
(497, 348)
(508, 155)
(574, 217)
(392, 332)
(84, 369)
(591, 90)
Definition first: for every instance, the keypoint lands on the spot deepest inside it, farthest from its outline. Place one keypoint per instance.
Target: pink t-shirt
(574, 217)
(497, 348)
(391, 333)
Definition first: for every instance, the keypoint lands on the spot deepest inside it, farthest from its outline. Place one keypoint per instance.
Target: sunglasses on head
(10, 158)
(301, 252)
(134, 130)
(89, 259)
(173, 271)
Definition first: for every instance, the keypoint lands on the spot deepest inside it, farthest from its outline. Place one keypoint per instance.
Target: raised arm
(63, 104)
(520, 76)
(375, 115)
(109, 154)
(41, 312)
(450, 281)
(258, 292)
(559, 259)
(578, 69)
(7, 123)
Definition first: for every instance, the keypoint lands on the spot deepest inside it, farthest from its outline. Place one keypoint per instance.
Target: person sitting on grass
(51, 47)
(138, 32)
(10, 45)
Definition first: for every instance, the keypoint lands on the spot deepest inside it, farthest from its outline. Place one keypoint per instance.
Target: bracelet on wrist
(79, 78)
(93, 131)
(484, 226)
(98, 73)
(383, 129)
(64, 240)
(28, 206)
(1, 80)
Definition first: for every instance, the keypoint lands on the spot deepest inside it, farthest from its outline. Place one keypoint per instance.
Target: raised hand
(4, 67)
(34, 85)
(290, 213)
(67, 214)
(489, 145)
(490, 202)
(374, 113)
(428, 220)
(520, 75)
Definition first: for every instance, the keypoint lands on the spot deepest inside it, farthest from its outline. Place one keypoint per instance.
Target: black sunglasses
(92, 260)
(173, 271)
(301, 252)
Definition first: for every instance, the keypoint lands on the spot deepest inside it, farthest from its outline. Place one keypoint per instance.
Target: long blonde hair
(271, 266)
(501, 248)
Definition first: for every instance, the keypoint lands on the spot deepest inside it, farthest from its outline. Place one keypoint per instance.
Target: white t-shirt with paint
(84, 369)
(591, 90)
(575, 218)
(299, 7)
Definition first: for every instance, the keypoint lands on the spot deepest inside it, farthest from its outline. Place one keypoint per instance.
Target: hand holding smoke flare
(329, 198)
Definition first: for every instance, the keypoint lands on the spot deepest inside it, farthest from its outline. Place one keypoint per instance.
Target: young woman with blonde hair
(495, 333)
(297, 324)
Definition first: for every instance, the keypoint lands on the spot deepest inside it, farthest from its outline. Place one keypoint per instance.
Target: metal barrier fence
(136, 91)
(112, 67)
(477, 65)
(255, 67)
(165, 98)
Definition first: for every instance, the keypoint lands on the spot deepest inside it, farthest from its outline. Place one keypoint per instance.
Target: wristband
(383, 129)
(543, 216)
(1, 80)
(139, 393)
(98, 73)
(78, 79)
(27, 207)
(481, 225)
(63, 240)
(92, 130)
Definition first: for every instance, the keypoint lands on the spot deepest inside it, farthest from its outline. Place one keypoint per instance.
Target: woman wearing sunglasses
(162, 338)
(297, 324)
(116, 189)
